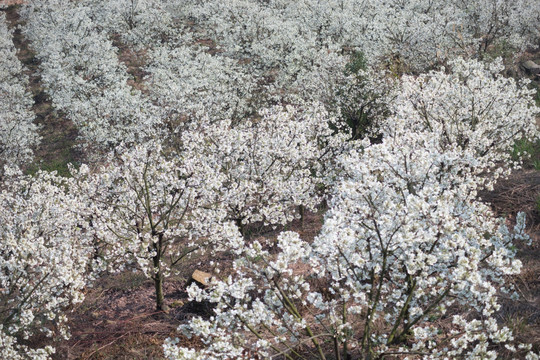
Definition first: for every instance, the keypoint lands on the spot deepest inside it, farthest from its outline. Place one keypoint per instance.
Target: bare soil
(521, 193)
(118, 320)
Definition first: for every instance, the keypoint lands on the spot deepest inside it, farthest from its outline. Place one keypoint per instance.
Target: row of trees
(83, 76)
(18, 133)
(228, 60)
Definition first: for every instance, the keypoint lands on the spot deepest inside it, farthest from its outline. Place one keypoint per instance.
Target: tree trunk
(158, 282)
(241, 227)
(302, 211)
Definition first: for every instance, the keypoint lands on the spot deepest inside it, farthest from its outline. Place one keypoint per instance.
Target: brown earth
(118, 320)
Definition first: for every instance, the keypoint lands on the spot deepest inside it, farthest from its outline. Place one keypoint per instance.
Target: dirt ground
(117, 319)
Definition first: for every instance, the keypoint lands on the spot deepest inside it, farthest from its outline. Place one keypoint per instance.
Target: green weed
(59, 163)
(527, 150)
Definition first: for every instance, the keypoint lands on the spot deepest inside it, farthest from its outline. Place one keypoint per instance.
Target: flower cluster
(45, 252)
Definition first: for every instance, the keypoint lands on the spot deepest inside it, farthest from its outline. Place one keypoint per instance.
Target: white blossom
(83, 76)
(18, 133)
(45, 255)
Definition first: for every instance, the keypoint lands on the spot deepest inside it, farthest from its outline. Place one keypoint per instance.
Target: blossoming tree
(471, 109)
(45, 254)
(83, 76)
(398, 250)
(270, 165)
(148, 207)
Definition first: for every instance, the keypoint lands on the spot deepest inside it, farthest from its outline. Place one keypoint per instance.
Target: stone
(201, 278)
(177, 303)
(531, 66)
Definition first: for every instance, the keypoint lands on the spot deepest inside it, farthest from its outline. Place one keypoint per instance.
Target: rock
(531, 66)
(177, 303)
(201, 278)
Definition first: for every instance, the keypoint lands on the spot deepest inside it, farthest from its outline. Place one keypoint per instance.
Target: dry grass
(521, 192)
(134, 61)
